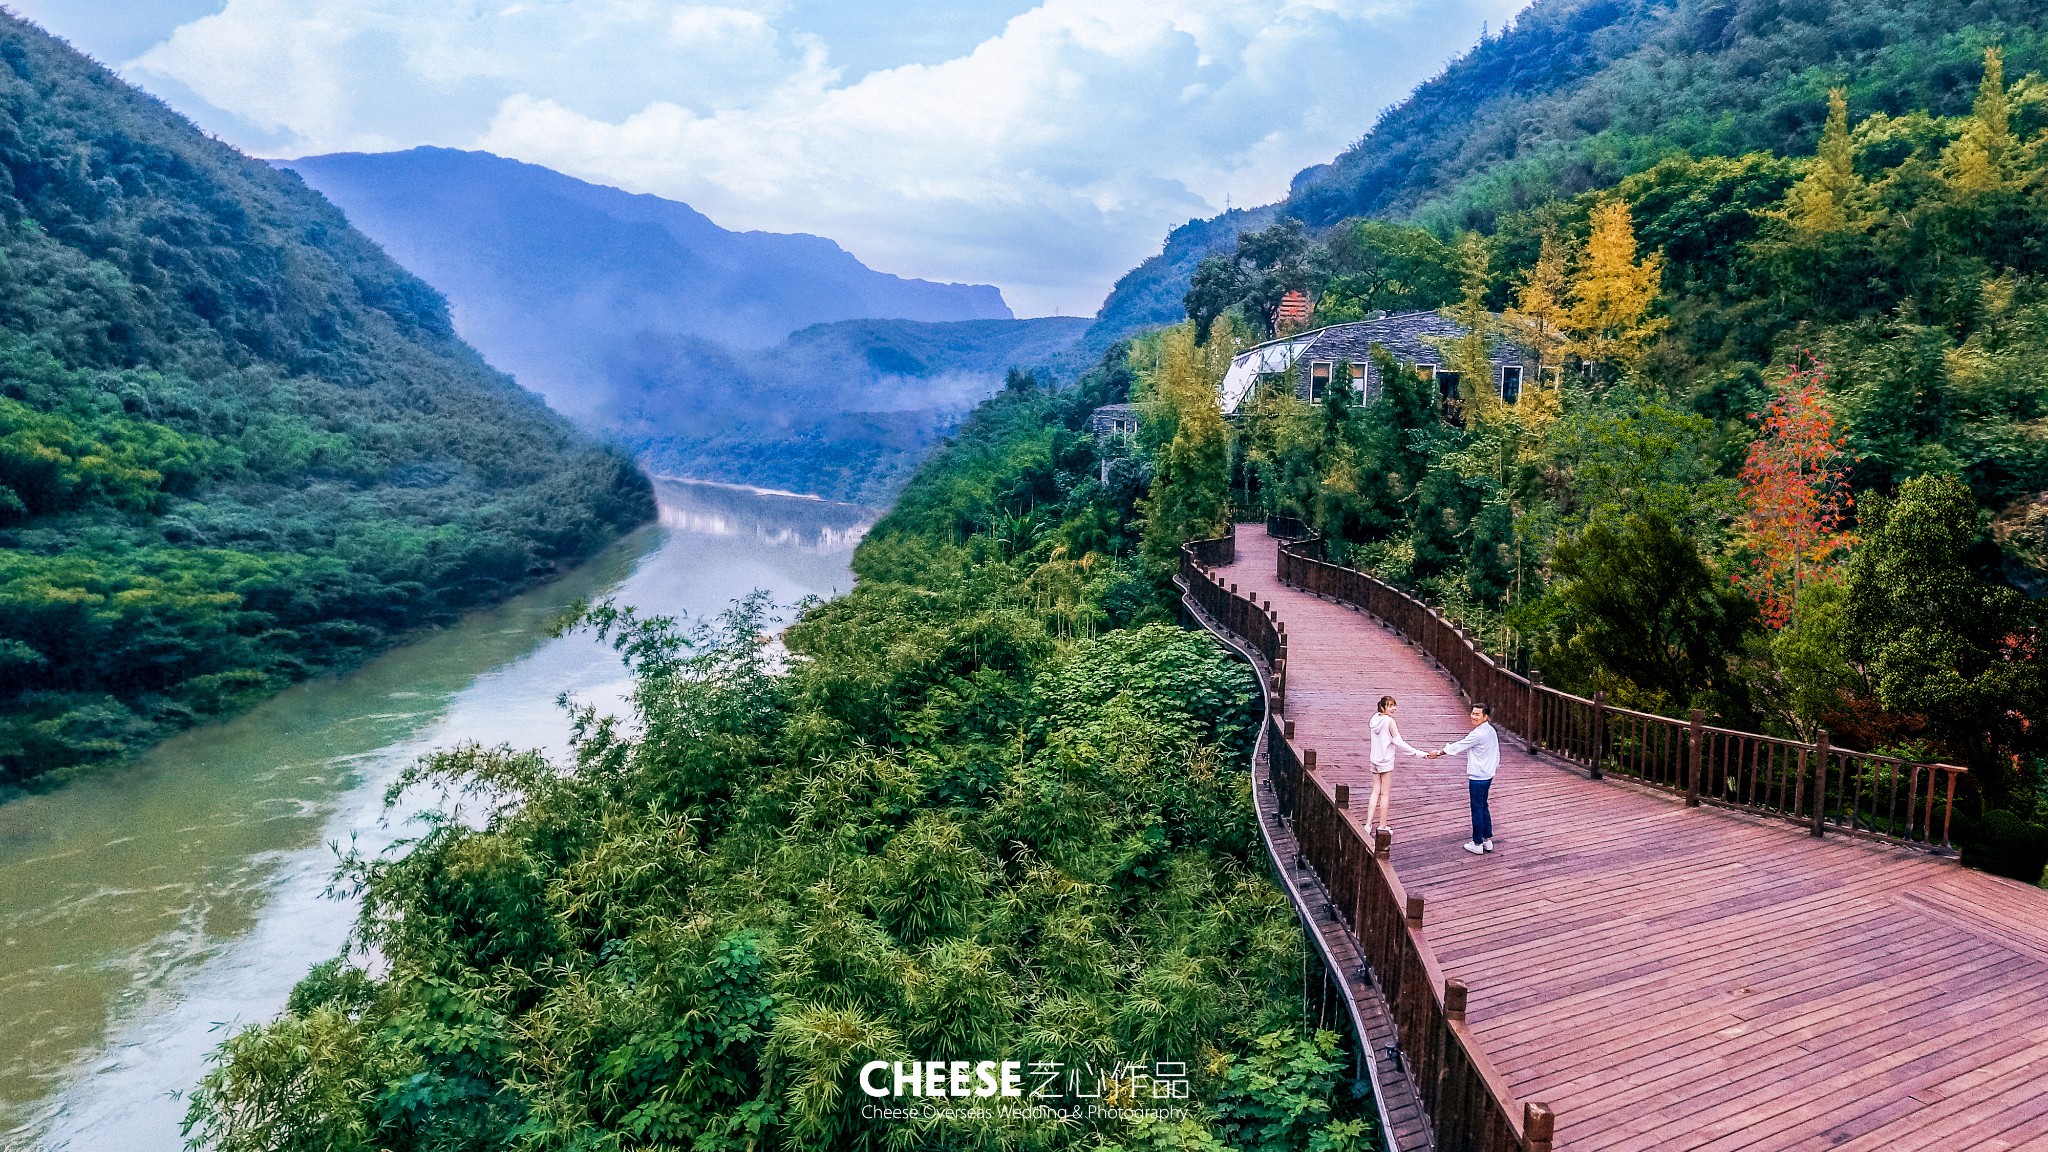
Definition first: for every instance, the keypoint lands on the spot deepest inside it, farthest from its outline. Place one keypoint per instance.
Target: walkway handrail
(1816, 785)
(1470, 1107)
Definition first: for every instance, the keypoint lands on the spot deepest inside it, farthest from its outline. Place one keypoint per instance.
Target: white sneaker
(1487, 845)
(1473, 848)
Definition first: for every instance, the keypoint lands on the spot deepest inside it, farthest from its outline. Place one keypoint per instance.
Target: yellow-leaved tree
(1611, 317)
(1982, 159)
(1536, 323)
(1471, 355)
(1179, 394)
(1831, 198)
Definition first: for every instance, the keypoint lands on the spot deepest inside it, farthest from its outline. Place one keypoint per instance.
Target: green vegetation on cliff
(237, 444)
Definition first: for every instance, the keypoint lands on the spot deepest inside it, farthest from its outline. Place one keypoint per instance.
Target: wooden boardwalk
(1671, 978)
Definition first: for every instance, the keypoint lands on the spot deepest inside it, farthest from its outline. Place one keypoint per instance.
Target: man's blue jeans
(1482, 816)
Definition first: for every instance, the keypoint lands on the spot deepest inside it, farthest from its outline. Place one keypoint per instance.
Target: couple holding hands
(1481, 747)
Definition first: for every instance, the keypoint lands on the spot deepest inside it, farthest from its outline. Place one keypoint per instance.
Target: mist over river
(145, 912)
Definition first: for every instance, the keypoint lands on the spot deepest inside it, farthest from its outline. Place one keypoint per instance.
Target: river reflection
(773, 518)
(144, 912)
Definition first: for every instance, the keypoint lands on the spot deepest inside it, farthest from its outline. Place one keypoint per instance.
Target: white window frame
(1501, 382)
(1329, 371)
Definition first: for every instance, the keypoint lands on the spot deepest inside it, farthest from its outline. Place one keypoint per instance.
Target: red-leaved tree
(1795, 486)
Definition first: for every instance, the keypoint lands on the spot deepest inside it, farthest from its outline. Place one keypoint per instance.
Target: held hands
(1436, 755)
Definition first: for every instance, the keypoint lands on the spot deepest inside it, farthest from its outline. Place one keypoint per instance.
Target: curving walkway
(1673, 979)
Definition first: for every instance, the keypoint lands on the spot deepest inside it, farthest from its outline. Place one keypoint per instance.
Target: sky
(1045, 148)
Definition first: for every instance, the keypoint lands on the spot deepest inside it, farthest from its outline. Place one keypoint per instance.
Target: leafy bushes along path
(993, 808)
(237, 444)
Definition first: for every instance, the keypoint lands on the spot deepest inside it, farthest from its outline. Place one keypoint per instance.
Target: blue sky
(1044, 147)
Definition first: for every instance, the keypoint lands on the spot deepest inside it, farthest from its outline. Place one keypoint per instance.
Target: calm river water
(144, 912)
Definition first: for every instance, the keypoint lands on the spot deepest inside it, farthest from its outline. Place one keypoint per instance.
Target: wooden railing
(1236, 611)
(1819, 786)
(1469, 1105)
(1288, 528)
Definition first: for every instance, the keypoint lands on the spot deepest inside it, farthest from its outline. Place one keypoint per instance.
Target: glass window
(1318, 381)
(1448, 383)
(1511, 382)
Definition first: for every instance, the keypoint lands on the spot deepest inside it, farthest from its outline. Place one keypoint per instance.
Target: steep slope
(554, 279)
(237, 443)
(1576, 94)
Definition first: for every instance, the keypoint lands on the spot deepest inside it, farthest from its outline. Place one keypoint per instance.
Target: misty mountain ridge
(747, 357)
(550, 275)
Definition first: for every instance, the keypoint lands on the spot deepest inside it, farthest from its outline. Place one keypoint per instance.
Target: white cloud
(1048, 159)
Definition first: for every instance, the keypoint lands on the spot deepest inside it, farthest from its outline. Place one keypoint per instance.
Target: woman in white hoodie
(1386, 736)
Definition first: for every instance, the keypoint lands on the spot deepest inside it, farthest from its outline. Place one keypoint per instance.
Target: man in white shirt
(1481, 747)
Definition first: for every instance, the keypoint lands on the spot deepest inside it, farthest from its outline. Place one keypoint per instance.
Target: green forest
(238, 445)
(1784, 459)
(1572, 96)
(991, 804)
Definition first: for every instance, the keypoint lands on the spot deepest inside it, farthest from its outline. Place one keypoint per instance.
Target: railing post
(1287, 732)
(1454, 998)
(1599, 731)
(1692, 767)
(1539, 1127)
(1343, 796)
(1382, 843)
(1820, 782)
(1948, 808)
(1415, 911)
(1308, 760)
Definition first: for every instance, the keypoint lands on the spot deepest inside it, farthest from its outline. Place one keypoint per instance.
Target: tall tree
(1940, 641)
(1831, 197)
(1982, 158)
(1536, 323)
(1795, 492)
(1190, 496)
(1470, 355)
(1612, 319)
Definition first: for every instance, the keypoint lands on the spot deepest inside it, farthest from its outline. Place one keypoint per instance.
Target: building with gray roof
(1416, 339)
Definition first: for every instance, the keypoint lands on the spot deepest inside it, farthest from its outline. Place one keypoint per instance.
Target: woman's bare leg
(1382, 800)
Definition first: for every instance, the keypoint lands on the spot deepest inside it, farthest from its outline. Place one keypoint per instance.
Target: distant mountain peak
(552, 275)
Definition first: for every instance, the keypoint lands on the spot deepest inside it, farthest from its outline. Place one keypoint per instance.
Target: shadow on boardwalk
(1673, 978)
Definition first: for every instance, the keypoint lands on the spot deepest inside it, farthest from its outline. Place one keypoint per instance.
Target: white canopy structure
(1268, 359)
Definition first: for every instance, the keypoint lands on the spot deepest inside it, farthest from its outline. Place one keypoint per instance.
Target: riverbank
(144, 904)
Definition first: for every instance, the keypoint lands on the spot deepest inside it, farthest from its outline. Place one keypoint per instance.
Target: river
(144, 912)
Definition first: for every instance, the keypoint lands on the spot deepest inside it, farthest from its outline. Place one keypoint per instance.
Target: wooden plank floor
(1406, 1126)
(1677, 978)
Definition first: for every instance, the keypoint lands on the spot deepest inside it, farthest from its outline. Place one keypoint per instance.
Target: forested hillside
(238, 444)
(1780, 457)
(1574, 95)
(993, 807)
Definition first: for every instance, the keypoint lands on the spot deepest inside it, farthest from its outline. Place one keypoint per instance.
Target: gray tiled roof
(1405, 334)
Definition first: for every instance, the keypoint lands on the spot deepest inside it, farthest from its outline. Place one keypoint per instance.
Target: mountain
(747, 357)
(556, 279)
(1149, 296)
(1576, 94)
(238, 443)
